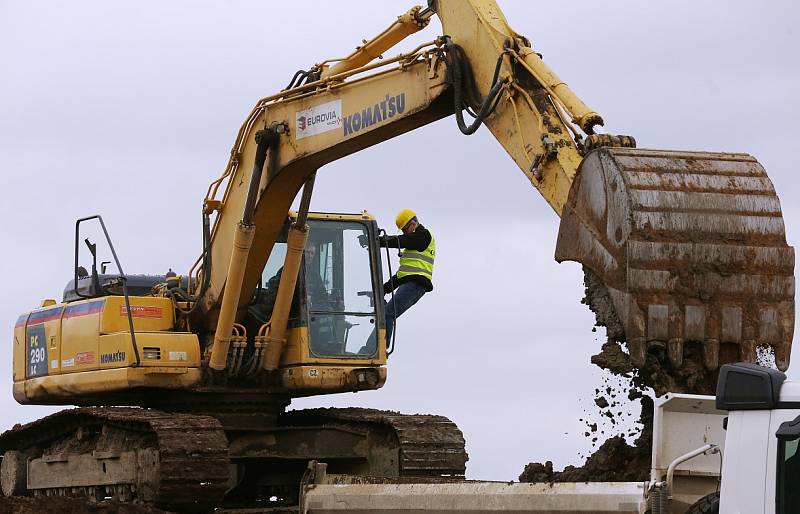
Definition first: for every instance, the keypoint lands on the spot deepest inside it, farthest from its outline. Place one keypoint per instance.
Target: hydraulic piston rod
(242, 241)
(413, 21)
(295, 245)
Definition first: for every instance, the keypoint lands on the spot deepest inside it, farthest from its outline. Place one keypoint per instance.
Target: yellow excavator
(685, 252)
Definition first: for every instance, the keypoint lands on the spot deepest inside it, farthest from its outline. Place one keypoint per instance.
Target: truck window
(788, 485)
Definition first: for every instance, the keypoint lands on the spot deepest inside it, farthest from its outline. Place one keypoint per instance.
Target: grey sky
(130, 109)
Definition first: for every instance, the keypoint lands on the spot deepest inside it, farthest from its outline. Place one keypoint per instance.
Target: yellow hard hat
(403, 217)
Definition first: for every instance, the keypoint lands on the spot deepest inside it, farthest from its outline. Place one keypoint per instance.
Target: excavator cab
(336, 320)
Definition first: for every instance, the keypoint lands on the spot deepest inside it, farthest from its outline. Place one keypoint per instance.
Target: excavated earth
(657, 373)
(615, 460)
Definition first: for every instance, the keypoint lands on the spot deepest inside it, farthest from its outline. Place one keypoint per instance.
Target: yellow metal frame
(370, 102)
(534, 125)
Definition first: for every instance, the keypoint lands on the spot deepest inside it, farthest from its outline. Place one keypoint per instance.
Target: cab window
(340, 299)
(788, 476)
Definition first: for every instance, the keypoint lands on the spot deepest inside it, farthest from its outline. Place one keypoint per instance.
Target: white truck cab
(761, 462)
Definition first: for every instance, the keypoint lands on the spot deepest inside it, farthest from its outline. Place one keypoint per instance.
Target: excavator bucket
(682, 248)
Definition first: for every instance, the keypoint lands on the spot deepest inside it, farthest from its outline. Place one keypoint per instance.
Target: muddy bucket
(682, 248)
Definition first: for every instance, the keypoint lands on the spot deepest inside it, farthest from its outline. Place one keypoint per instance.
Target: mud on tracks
(64, 505)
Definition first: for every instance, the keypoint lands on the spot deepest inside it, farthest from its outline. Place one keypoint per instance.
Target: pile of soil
(65, 505)
(614, 461)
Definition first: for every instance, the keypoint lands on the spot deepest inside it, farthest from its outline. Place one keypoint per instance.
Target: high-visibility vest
(418, 263)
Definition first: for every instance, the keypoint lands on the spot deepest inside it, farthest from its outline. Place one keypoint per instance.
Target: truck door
(783, 467)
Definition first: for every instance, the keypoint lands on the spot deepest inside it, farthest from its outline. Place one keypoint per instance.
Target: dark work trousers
(404, 297)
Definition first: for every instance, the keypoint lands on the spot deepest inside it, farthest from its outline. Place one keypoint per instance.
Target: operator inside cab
(334, 297)
(414, 277)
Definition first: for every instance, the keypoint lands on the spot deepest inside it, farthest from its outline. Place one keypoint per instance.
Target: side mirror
(95, 289)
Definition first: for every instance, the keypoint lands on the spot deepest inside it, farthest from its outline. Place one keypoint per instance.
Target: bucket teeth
(638, 350)
(747, 351)
(782, 352)
(711, 354)
(690, 247)
(675, 352)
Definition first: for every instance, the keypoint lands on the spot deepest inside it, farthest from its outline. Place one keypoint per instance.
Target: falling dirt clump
(692, 377)
(614, 461)
(597, 299)
(657, 373)
(613, 358)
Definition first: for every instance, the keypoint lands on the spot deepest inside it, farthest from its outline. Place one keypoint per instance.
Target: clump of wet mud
(596, 297)
(614, 461)
(613, 358)
(657, 373)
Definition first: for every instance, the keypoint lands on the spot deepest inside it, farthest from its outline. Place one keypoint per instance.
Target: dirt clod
(614, 461)
(657, 373)
(613, 358)
(691, 377)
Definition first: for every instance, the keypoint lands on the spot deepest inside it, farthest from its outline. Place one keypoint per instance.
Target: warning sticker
(177, 356)
(84, 358)
(142, 311)
(318, 119)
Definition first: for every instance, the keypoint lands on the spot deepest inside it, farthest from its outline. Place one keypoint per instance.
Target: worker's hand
(363, 241)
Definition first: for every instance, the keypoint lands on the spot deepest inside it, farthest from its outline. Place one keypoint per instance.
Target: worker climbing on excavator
(414, 278)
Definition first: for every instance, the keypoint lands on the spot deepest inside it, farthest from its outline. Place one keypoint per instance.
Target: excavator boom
(677, 247)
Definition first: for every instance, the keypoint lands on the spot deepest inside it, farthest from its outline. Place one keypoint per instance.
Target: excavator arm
(677, 247)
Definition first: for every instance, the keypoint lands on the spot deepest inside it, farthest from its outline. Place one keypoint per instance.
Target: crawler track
(181, 461)
(192, 465)
(429, 445)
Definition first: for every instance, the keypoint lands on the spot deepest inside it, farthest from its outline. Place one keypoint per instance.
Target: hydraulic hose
(297, 79)
(177, 293)
(459, 77)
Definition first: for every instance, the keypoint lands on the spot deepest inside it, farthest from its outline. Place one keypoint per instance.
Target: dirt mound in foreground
(64, 505)
(614, 461)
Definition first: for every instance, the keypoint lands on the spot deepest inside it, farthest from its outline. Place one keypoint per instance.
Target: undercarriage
(197, 461)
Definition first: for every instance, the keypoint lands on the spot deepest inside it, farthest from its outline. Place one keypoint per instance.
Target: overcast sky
(129, 109)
